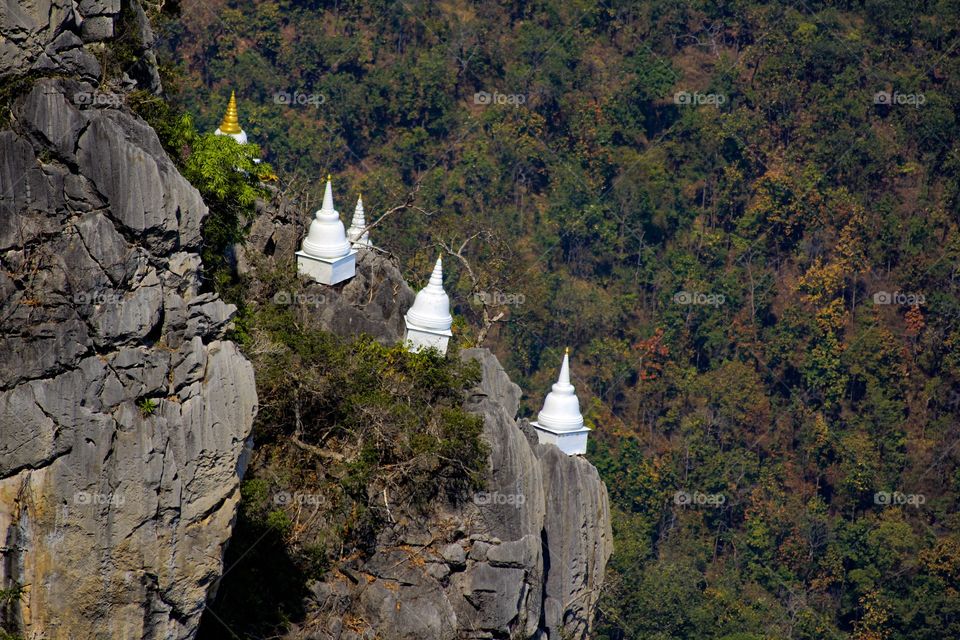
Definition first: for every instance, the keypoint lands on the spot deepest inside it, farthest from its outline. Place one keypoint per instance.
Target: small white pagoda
(560, 421)
(326, 254)
(230, 125)
(359, 237)
(429, 320)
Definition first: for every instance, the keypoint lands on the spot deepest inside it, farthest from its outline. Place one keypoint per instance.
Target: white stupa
(359, 238)
(326, 255)
(429, 320)
(560, 421)
(230, 125)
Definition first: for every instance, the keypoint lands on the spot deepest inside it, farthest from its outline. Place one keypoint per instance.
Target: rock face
(524, 559)
(48, 36)
(124, 414)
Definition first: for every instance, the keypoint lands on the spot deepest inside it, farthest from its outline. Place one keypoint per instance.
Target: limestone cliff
(123, 412)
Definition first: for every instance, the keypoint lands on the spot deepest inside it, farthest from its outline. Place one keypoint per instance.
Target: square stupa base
(572, 443)
(419, 338)
(327, 271)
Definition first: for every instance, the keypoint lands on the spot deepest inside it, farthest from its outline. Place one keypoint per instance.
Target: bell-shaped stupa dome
(230, 125)
(431, 308)
(561, 409)
(358, 237)
(326, 238)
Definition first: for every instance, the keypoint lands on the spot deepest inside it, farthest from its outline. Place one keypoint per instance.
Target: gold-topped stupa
(230, 125)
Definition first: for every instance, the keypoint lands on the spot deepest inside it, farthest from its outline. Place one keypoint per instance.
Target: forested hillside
(741, 217)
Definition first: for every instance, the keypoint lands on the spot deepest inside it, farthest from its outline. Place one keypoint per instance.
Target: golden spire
(566, 351)
(231, 123)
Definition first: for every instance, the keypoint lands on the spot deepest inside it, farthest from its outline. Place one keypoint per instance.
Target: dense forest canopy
(742, 217)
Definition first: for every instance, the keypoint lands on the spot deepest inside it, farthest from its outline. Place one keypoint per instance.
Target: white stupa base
(326, 270)
(239, 137)
(419, 338)
(572, 443)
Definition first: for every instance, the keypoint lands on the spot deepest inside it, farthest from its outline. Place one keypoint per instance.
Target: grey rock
(417, 538)
(25, 29)
(478, 552)
(23, 189)
(78, 62)
(497, 385)
(120, 453)
(373, 302)
(407, 603)
(106, 247)
(438, 570)
(454, 554)
(124, 160)
(99, 7)
(144, 72)
(490, 596)
(129, 316)
(515, 554)
(579, 539)
(64, 42)
(65, 54)
(207, 314)
(96, 28)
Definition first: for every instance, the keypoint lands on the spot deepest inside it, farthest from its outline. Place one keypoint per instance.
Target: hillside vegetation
(741, 217)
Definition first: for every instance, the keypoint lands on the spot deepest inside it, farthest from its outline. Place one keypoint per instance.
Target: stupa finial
(327, 206)
(231, 120)
(564, 379)
(436, 278)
